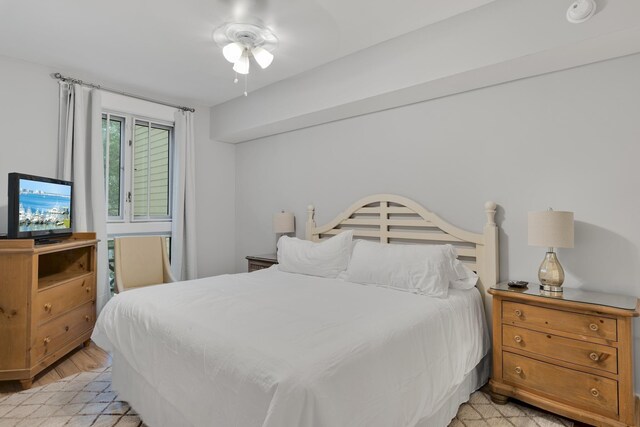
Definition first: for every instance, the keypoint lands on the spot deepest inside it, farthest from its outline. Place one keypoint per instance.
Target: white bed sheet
(275, 349)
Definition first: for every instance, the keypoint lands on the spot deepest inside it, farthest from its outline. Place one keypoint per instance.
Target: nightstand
(570, 354)
(259, 262)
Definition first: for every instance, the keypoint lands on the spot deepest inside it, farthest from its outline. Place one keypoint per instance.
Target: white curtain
(183, 231)
(81, 160)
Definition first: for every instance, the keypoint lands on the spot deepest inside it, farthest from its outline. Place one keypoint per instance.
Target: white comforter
(276, 349)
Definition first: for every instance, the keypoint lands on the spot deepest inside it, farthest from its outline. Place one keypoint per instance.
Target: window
(138, 154)
(151, 171)
(137, 173)
(112, 138)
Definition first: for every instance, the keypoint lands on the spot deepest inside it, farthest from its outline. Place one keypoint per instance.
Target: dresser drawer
(566, 349)
(58, 299)
(591, 392)
(533, 317)
(53, 335)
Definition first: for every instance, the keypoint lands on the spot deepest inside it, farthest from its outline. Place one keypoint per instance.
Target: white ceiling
(165, 47)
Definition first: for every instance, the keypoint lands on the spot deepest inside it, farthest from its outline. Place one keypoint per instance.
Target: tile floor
(481, 412)
(80, 400)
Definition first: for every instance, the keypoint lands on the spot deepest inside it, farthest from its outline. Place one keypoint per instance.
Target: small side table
(259, 262)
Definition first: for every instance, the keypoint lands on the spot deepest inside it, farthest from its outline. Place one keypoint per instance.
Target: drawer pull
(86, 318)
(594, 357)
(517, 339)
(595, 392)
(518, 313)
(66, 329)
(593, 327)
(47, 340)
(88, 289)
(47, 307)
(518, 370)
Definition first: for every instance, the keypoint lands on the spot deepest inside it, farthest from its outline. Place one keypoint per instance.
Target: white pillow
(422, 269)
(464, 278)
(325, 259)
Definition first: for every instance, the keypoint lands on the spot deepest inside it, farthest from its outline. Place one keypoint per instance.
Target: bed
(277, 349)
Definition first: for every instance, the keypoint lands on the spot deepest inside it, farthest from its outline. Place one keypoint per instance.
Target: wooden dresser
(47, 302)
(259, 262)
(572, 355)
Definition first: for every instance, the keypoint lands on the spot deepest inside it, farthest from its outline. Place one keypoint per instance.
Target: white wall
(29, 115)
(568, 140)
(215, 200)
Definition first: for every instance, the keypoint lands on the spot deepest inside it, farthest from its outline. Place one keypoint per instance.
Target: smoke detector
(581, 11)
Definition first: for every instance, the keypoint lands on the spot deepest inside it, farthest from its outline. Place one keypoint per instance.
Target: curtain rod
(119, 92)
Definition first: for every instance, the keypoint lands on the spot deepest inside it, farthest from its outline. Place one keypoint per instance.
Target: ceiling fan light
(242, 65)
(232, 52)
(263, 57)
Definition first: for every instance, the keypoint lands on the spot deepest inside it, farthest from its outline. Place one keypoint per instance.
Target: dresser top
(29, 246)
(620, 302)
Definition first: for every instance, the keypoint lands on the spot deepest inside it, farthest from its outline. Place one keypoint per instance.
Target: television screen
(44, 206)
(38, 207)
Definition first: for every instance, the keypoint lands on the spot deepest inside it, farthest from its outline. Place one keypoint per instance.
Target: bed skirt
(156, 411)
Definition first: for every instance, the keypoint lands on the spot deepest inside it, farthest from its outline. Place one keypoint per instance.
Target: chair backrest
(140, 261)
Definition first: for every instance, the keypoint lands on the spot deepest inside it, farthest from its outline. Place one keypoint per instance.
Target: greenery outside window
(113, 139)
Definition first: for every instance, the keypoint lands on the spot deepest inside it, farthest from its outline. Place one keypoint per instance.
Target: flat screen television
(39, 207)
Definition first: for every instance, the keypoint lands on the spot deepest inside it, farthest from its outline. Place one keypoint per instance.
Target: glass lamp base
(551, 274)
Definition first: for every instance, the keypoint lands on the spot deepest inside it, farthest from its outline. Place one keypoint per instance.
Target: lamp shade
(232, 52)
(241, 66)
(553, 229)
(263, 57)
(284, 222)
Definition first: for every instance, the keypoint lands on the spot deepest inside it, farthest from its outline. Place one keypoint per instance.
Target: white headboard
(388, 218)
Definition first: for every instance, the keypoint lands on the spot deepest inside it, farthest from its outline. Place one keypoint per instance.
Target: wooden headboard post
(488, 259)
(489, 251)
(311, 223)
(389, 218)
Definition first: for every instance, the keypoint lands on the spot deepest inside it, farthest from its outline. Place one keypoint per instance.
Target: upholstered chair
(141, 261)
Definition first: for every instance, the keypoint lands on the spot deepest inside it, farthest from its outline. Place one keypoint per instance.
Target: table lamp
(551, 229)
(283, 223)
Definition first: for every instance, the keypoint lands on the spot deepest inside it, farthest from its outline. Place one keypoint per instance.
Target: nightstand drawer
(260, 262)
(533, 317)
(259, 265)
(566, 349)
(591, 392)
